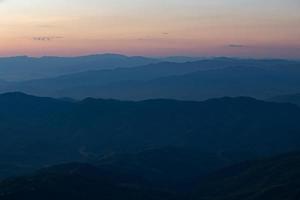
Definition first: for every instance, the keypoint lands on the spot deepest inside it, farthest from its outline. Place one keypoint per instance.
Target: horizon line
(148, 56)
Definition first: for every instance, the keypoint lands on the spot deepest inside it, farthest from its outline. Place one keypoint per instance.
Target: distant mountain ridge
(198, 80)
(22, 68)
(289, 98)
(27, 68)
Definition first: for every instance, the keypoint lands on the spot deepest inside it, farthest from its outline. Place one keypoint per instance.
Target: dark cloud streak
(46, 38)
(237, 46)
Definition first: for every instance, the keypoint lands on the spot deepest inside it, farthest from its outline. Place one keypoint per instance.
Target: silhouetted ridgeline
(26, 68)
(198, 80)
(292, 98)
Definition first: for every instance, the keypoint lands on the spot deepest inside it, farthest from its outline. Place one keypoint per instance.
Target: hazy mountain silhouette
(198, 80)
(292, 98)
(181, 59)
(39, 131)
(26, 68)
(235, 81)
(91, 79)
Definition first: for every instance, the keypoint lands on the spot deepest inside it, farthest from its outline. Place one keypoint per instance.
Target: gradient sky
(246, 28)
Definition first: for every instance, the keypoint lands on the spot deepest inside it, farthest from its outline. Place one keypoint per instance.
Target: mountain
(292, 98)
(98, 78)
(160, 169)
(168, 167)
(274, 178)
(181, 59)
(201, 85)
(27, 68)
(36, 131)
(199, 80)
(23, 68)
(78, 181)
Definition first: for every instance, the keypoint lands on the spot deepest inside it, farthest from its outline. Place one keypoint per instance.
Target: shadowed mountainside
(37, 131)
(274, 178)
(78, 182)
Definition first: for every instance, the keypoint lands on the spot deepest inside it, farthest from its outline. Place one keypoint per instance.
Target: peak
(14, 94)
(106, 55)
(16, 57)
(20, 96)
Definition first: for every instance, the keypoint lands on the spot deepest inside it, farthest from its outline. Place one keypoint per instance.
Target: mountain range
(196, 80)
(23, 68)
(182, 128)
(39, 131)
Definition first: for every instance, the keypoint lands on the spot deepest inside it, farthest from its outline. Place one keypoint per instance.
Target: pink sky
(246, 28)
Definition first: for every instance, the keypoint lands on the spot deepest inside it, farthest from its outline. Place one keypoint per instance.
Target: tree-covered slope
(275, 178)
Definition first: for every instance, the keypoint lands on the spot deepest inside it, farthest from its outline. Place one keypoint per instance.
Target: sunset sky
(245, 28)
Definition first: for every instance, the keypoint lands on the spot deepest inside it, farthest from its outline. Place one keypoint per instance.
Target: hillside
(39, 131)
(275, 178)
(169, 167)
(78, 182)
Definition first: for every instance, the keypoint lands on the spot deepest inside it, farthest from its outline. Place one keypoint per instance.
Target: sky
(239, 28)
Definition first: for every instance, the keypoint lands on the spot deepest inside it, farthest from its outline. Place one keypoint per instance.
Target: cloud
(46, 38)
(237, 46)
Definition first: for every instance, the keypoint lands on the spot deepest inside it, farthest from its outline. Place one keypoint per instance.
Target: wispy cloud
(46, 38)
(237, 46)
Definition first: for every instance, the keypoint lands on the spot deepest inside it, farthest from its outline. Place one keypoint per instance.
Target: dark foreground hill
(38, 131)
(78, 182)
(169, 167)
(276, 178)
